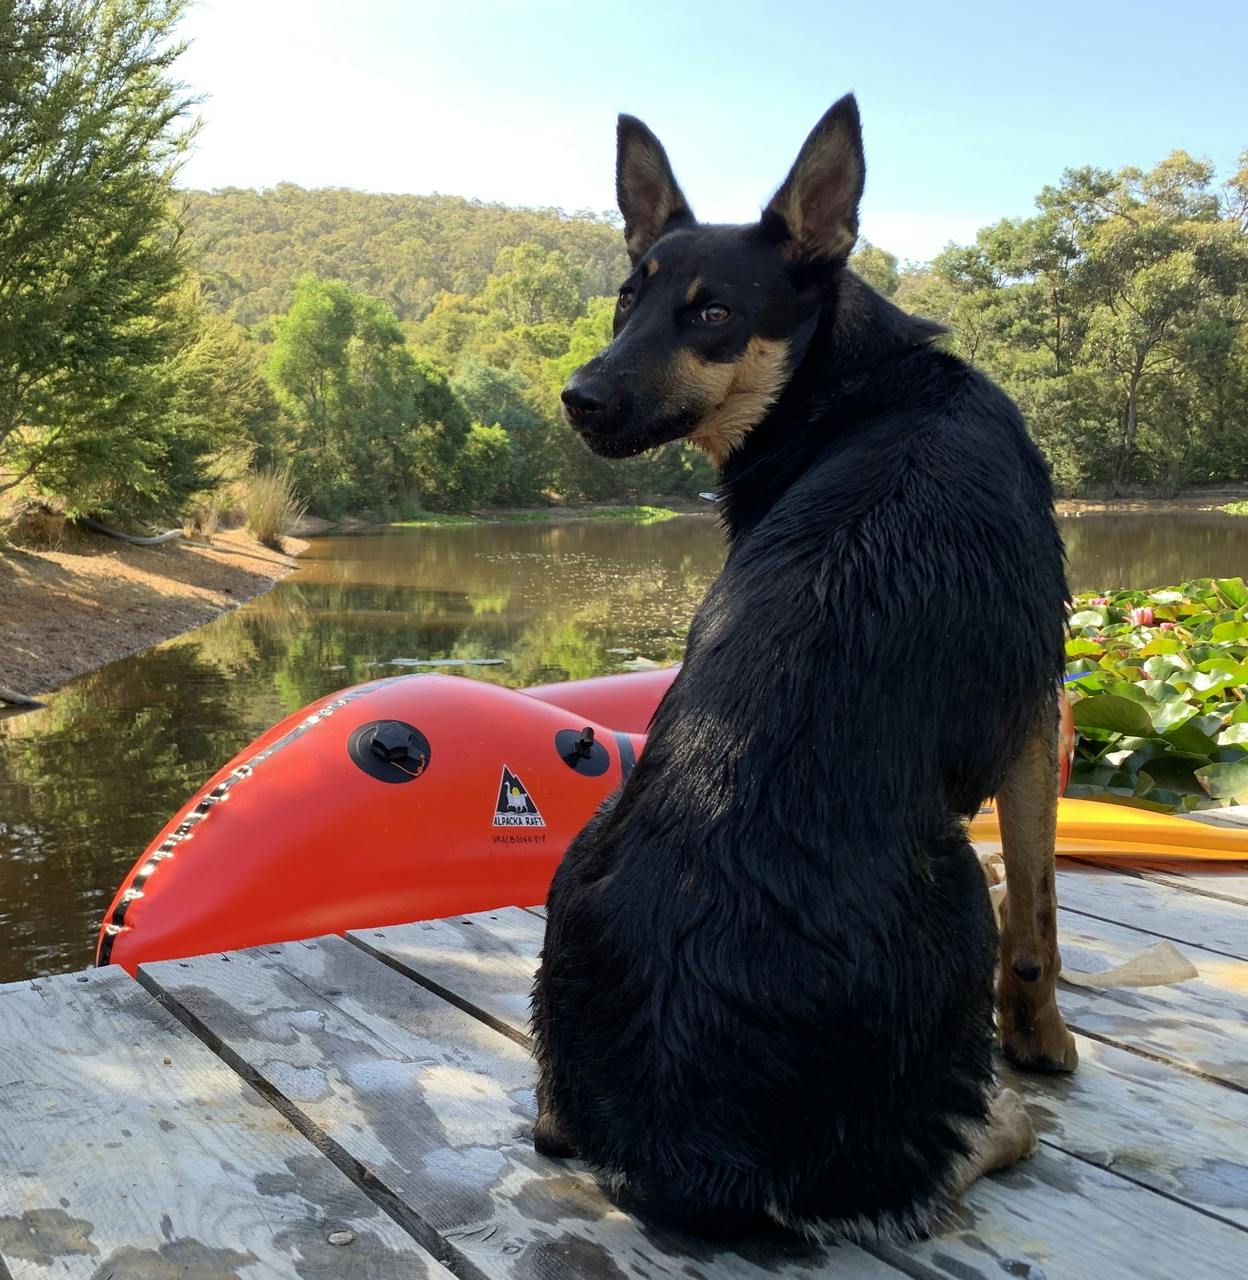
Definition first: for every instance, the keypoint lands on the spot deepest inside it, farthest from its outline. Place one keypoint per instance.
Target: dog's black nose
(583, 399)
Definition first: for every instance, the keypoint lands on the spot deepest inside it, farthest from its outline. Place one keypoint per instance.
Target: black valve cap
(579, 751)
(389, 750)
(393, 742)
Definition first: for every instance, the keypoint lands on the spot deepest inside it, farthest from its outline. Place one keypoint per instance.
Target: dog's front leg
(1033, 1034)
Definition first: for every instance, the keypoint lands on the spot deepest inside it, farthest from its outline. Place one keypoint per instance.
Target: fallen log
(14, 699)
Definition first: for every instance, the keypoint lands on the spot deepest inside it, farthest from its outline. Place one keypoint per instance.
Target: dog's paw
(1042, 1043)
(1013, 1134)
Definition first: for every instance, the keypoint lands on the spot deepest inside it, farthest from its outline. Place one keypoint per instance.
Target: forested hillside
(160, 348)
(252, 246)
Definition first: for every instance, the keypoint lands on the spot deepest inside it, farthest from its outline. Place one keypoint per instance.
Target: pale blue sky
(968, 107)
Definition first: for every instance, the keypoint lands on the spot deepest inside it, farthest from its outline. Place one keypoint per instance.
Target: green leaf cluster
(1161, 696)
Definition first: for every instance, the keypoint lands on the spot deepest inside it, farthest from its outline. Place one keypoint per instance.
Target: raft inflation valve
(579, 751)
(389, 750)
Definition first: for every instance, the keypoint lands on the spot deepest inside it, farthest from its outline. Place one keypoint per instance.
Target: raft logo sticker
(514, 806)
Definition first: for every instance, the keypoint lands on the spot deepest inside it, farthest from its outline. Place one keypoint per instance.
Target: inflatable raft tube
(424, 796)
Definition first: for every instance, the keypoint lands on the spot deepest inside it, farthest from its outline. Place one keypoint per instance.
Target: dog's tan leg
(1007, 1138)
(1033, 1034)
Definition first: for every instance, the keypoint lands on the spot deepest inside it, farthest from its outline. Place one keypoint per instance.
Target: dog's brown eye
(625, 299)
(716, 313)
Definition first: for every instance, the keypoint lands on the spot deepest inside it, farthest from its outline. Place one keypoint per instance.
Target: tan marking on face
(652, 267)
(737, 395)
(694, 287)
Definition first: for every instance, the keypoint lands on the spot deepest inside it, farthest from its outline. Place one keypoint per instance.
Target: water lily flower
(1142, 617)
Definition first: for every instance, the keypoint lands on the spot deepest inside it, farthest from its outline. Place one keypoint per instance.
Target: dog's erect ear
(649, 198)
(818, 202)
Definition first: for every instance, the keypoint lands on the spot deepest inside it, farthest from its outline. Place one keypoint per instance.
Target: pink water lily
(1099, 600)
(1166, 626)
(1143, 616)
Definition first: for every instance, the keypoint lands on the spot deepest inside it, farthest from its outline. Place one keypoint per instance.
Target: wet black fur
(765, 992)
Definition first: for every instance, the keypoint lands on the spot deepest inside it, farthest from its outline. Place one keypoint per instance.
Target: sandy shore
(1200, 500)
(89, 599)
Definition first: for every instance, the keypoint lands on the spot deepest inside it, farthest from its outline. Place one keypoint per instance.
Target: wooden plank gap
(1171, 880)
(495, 1024)
(1116, 1172)
(382, 1196)
(1174, 1063)
(1152, 933)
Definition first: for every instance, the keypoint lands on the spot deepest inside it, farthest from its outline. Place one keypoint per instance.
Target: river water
(86, 783)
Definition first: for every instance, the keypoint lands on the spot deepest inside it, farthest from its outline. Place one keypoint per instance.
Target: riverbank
(667, 508)
(87, 599)
(1193, 500)
(311, 526)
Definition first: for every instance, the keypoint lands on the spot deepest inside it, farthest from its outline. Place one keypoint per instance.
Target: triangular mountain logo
(513, 806)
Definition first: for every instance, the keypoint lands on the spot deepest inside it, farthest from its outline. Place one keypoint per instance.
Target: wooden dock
(360, 1106)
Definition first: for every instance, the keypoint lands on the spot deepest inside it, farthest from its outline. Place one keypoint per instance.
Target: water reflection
(85, 783)
(1109, 552)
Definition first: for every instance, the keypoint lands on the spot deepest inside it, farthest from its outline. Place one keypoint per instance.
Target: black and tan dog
(766, 988)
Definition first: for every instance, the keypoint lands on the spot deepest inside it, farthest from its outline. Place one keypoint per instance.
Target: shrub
(270, 505)
(483, 468)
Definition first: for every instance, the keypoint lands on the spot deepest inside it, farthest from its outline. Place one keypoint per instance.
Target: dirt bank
(89, 599)
(1191, 500)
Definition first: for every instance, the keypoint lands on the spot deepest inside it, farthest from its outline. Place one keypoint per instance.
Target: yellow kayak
(1094, 828)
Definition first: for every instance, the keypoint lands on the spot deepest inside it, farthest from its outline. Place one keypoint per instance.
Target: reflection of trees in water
(89, 780)
(1115, 551)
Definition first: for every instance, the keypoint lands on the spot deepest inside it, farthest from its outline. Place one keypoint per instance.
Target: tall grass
(270, 505)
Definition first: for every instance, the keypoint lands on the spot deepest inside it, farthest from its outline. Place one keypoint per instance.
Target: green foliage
(1235, 508)
(483, 468)
(271, 505)
(505, 398)
(90, 134)
(415, 518)
(531, 287)
(1160, 699)
(877, 267)
(404, 249)
(1115, 318)
(373, 424)
(642, 515)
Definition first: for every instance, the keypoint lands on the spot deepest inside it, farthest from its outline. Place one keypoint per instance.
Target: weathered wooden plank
(127, 1149)
(1232, 815)
(1155, 1124)
(1225, 880)
(483, 962)
(1185, 1137)
(1199, 1024)
(1155, 908)
(437, 1107)
(1055, 1218)
(1147, 1121)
